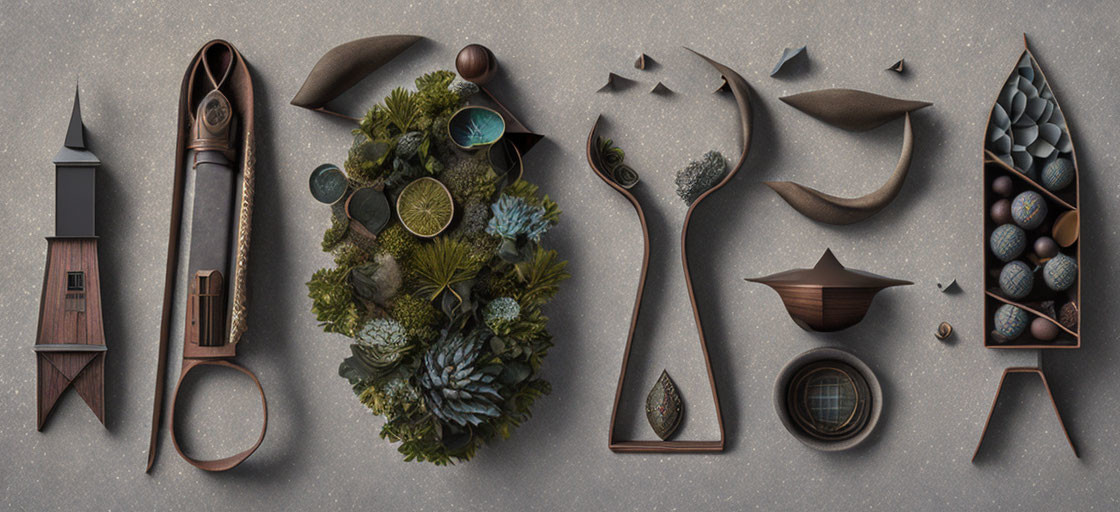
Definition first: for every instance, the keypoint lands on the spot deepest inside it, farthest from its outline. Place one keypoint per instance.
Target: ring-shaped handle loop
(227, 463)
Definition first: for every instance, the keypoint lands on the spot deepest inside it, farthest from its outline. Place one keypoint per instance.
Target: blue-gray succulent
(458, 386)
(513, 217)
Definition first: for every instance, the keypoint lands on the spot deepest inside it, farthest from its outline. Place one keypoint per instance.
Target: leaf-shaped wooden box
(1032, 250)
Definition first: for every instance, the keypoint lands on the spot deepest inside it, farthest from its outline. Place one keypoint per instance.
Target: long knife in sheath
(216, 99)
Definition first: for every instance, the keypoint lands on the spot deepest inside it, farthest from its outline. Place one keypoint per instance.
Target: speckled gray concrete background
(322, 450)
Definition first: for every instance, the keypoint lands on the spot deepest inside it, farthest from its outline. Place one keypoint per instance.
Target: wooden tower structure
(70, 344)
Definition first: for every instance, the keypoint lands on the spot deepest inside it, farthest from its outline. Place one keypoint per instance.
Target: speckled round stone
(1003, 186)
(1044, 330)
(1058, 174)
(1045, 247)
(1060, 272)
(1010, 321)
(1029, 209)
(1007, 242)
(1001, 211)
(1016, 280)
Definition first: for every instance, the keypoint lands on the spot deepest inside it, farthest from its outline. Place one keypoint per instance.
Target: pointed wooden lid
(829, 273)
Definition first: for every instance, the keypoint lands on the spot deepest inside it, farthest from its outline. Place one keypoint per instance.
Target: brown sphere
(1043, 329)
(1045, 247)
(476, 63)
(1003, 186)
(1001, 212)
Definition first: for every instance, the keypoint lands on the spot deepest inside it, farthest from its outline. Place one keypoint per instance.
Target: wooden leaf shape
(851, 109)
(830, 209)
(347, 64)
(664, 409)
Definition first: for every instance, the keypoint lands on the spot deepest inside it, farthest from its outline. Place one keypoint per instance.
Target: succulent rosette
(442, 304)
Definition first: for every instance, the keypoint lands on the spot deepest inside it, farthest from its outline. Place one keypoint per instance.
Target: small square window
(75, 281)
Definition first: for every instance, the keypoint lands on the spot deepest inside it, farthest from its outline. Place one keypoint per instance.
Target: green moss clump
(418, 317)
(470, 180)
(335, 234)
(396, 241)
(482, 247)
(350, 256)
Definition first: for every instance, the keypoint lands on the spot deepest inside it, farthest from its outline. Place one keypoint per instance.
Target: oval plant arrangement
(442, 302)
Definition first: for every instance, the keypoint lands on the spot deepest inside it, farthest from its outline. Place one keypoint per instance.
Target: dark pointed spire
(73, 151)
(75, 135)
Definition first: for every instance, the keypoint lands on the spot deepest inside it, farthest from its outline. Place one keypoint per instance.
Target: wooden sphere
(1044, 330)
(1045, 247)
(1001, 212)
(1003, 186)
(476, 63)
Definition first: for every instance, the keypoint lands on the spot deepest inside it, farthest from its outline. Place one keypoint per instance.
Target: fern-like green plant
(402, 109)
(442, 264)
(534, 282)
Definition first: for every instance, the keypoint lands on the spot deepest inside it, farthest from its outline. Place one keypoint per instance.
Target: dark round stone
(1001, 212)
(476, 63)
(1003, 186)
(1045, 247)
(1044, 330)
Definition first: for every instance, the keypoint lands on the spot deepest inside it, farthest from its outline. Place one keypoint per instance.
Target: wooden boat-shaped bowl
(998, 163)
(827, 297)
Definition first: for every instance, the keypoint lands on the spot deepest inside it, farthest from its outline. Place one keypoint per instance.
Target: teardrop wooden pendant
(664, 408)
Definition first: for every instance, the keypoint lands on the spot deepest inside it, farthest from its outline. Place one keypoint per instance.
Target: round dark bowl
(796, 428)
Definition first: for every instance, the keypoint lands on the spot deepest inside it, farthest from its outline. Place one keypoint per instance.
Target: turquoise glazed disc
(1010, 321)
(1016, 280)
(1028, 209)
(1060, 272)
(1058, 175)
(1007, 242)
(472, 127)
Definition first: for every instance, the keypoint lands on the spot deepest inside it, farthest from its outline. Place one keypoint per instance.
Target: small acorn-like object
(1060, 272)
(1003, 186)
(1043, 329)
(476, 63)
(1007, 242)
(1010, 321)
(1001, 211)
(1029, 209)
(1067, 316)
(944, 330)
(1045, 247)
(1058, 174)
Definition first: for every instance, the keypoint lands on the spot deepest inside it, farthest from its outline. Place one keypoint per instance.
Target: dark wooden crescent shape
(851, 109)
(347, 64)
(830, 209)
(741, 91)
